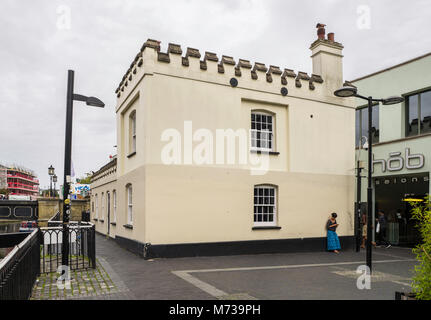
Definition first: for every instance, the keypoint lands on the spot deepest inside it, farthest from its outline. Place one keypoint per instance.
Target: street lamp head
(54, 178)
(365, 145)
(94, 102)
(346, 92)
(90, 101)
(392, 100)
(51, 170)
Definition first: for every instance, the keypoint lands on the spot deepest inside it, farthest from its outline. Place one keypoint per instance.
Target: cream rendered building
(103, 204)
(178, 195)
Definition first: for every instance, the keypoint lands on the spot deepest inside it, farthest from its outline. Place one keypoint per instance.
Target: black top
(382, 221)
(329, 223)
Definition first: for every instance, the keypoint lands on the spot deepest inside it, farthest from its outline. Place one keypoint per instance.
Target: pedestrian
(365, 231)
(381, 232)
(332, 237)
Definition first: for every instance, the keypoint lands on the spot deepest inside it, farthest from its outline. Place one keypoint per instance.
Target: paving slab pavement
(304, 276)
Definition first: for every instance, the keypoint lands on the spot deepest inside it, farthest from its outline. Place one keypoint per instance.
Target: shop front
(395, 195)
(400, 179)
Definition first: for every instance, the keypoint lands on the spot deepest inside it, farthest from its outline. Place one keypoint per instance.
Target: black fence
(40, 252)
(18, 210)
(20, 268)
(82, 246)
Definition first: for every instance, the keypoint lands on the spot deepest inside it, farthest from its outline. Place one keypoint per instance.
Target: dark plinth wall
(149, 251)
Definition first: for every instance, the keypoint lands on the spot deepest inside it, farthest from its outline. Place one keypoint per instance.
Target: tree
(5, 191)
(422, 277)
(86, 180)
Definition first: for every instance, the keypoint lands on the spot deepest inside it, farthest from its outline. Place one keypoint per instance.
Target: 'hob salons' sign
(397, 162)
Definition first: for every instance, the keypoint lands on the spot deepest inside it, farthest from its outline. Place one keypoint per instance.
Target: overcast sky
(41, 40)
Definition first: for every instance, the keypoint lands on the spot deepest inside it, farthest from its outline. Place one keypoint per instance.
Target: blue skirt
(333, 241)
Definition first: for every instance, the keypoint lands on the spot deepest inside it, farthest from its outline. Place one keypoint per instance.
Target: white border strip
(292, 266)
(211, 290)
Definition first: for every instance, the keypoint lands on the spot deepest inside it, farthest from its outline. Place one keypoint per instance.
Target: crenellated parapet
(150, 57)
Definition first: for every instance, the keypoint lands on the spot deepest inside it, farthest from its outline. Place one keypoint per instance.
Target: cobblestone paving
(90, 284)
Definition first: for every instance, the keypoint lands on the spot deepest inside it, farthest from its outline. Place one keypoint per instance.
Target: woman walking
(332, 237)
(365, 232)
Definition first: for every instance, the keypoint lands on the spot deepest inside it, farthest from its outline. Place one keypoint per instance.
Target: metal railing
(20, 268)
(82, 246)
(22, 186)
(40, 252)
(21, 176)
(18, 210)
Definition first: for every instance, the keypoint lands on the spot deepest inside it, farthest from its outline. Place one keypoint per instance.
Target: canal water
(8, 227)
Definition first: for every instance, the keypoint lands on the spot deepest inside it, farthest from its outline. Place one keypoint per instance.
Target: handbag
(378, 227)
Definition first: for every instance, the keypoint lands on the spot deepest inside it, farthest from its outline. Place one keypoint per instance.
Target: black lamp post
(90, 101)
(51, 173)
(54, 179)
(345, 92)
(358, 205)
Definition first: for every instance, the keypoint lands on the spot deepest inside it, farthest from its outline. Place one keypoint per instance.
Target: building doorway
(393, 195)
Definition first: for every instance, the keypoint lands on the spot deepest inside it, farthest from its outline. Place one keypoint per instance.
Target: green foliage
(86, 180)
(4, 191)
(422, 279)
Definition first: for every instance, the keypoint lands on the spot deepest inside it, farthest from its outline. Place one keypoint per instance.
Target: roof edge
(392, 67)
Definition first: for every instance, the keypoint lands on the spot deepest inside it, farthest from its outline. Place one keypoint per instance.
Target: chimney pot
(321, 31)
(331, 37)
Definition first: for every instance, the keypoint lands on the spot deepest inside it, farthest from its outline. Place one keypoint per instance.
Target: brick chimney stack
(327, 58)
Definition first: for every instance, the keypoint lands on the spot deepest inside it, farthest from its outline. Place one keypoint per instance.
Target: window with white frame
(102, 215)
(114, 200)
(129, 205)
(265, 205)
(132, 133)
(262, 134)
(108, 205)
(97, 206)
